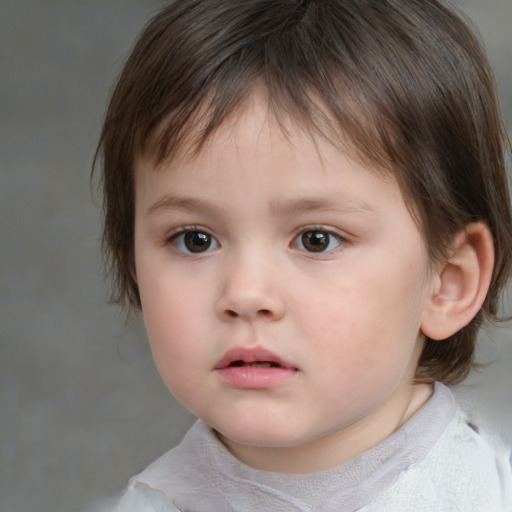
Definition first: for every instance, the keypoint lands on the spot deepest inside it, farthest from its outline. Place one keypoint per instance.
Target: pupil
(315, 241)
(197, 241)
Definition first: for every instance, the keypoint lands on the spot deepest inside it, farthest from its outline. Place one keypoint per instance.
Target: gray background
(81, 406)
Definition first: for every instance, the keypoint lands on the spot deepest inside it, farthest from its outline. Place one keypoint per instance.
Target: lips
(257, 357)
(254, 369)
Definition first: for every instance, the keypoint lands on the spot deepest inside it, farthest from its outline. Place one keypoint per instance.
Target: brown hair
(403, 83)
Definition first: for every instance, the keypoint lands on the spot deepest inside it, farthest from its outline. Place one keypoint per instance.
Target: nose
(251, 291)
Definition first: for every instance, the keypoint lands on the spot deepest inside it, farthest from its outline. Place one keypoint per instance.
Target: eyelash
(205, 240)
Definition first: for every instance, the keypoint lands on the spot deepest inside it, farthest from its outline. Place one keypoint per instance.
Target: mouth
(254, 369)
(256, 364)
(256, 357)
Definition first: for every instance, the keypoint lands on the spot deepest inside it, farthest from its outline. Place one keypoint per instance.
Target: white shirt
(436, 462)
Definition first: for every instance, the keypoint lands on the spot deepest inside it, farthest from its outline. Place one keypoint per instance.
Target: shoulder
(156, 488)
(467, 470)
(186, 470)
(140, 498)
(185, 465)
(136, 498)
(473, 462)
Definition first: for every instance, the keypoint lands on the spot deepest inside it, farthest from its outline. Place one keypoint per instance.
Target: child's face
(260, 251)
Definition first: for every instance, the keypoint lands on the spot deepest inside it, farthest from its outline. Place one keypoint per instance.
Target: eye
(317, 240)
(193, 242)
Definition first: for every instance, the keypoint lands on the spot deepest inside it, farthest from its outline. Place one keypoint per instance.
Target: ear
(461, 283)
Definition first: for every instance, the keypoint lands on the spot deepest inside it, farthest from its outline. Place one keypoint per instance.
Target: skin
(347, 318)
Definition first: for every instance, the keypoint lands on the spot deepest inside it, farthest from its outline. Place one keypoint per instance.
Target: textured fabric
(435, 462)
(141, 498)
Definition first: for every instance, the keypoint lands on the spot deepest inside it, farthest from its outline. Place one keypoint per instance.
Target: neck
(340, 446)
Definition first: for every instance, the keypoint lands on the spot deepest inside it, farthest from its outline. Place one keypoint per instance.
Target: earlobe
(461, 283)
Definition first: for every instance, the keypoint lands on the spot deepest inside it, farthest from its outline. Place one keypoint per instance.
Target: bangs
(333, 97)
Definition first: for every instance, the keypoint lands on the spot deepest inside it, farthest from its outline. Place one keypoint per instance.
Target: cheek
(366, 327)
(171, 317)
(174, 340)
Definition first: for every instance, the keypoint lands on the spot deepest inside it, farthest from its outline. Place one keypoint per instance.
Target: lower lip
(252, 377)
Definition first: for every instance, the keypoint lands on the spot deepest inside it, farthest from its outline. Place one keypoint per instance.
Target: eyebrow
(335, 203)
(184, 204)
(277, 207)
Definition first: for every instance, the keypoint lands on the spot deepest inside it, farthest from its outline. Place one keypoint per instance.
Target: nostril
(265, 313)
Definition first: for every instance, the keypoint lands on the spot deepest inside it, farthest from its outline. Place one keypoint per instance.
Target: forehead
(255, 125)
(254, 146)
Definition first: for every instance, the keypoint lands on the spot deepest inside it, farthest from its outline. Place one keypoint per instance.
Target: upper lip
(251, 355)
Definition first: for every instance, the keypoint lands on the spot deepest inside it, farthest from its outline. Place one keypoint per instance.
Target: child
(308, 201)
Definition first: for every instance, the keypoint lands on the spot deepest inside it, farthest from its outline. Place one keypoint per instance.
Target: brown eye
(317, 241)
(193, 242)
